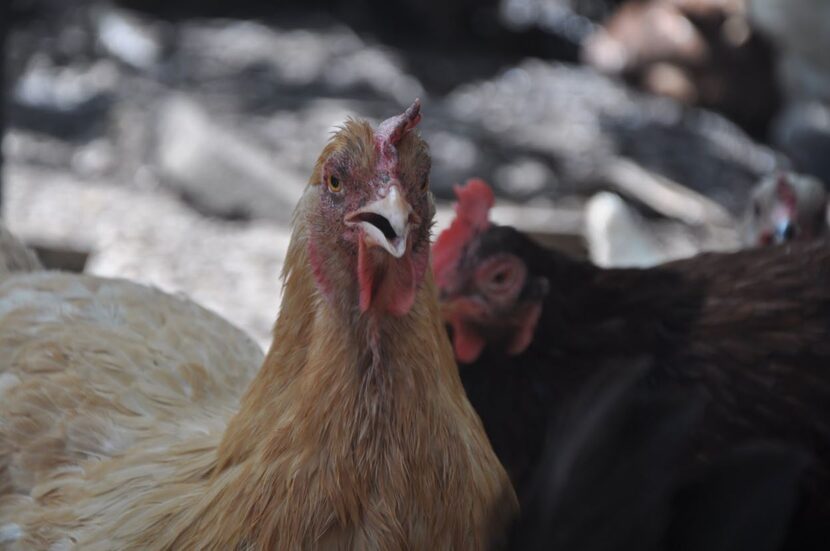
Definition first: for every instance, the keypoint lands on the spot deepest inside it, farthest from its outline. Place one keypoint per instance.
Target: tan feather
(95, 369)
(123, 424)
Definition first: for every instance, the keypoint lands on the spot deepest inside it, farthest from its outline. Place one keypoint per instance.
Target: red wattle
(467, 344)
(396, 292)
(390, 287)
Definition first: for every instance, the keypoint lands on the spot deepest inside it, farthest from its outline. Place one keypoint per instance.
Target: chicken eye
(333, 183)
(500, 277)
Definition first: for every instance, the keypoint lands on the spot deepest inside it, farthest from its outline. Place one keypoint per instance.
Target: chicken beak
(784, 231)
(385, 222)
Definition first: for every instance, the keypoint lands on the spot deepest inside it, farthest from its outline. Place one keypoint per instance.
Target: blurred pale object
(219, 170)
(801, 29)
(152, 238)
(699, 52)
(618, 236)
(123, 36)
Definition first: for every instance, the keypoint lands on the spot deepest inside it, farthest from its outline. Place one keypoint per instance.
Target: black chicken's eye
(500, 277)
(334, 184)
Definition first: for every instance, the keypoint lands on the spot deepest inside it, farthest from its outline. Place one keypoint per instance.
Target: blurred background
(167, 141)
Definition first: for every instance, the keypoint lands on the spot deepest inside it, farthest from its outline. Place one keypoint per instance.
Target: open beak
(385, 222)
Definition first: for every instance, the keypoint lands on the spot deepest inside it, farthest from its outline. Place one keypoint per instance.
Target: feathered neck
(320, 345)
(333, 436)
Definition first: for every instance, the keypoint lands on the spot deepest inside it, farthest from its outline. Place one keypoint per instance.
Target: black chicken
(611, 478)
(530, 326)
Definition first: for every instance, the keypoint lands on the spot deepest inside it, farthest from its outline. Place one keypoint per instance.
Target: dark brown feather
(751, 329)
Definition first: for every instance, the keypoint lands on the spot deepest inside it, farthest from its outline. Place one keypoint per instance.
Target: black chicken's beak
(385, 221)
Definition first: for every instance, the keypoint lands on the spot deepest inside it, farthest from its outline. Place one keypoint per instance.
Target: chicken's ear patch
(472, 211)
(528, 316)
(525, 329)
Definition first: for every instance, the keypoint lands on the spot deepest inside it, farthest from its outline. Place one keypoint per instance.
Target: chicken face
(488, 293)
(497, 304)
(373, 214)
(785, 207)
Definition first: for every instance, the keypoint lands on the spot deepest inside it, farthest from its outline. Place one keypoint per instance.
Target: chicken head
(489, 293)
(784, 207)
(369, 224)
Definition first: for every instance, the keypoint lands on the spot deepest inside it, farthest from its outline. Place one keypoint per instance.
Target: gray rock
(218, 171)
(802, 131)
(558, 17)
(799, 28)
(152, 238)
(65, 101)
(524, 177)
(264, 64)
(577, 121)
(125, 37)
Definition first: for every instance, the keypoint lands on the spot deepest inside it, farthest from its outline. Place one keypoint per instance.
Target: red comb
(475, 199)
(393, 129)
(785, 192)
(390, 132)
